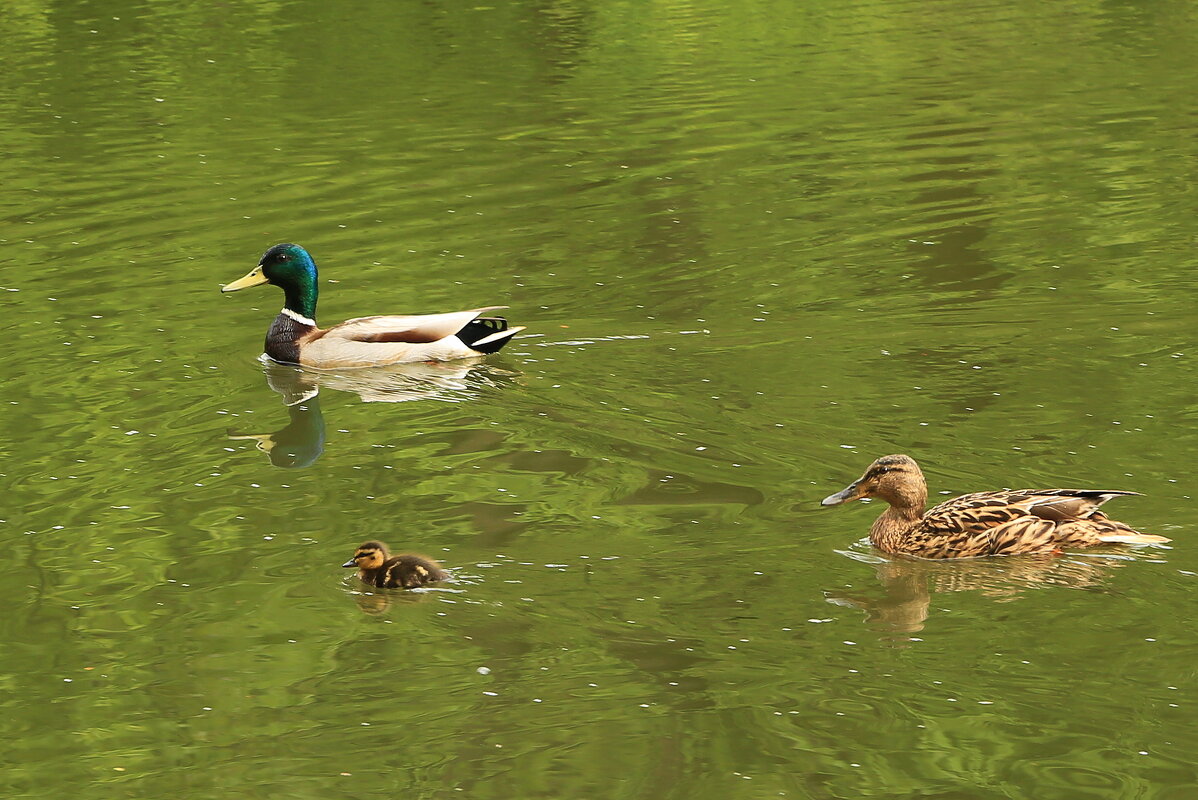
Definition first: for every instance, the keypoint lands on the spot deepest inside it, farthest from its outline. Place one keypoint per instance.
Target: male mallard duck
(983, 523)
(294, 338)
(379, 568)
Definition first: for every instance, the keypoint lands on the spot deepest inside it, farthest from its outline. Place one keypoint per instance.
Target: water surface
(755, 245)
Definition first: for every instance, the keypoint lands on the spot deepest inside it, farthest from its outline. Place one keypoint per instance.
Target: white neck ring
(298, 317)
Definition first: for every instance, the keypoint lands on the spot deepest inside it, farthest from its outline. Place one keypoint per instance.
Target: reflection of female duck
(909, 584)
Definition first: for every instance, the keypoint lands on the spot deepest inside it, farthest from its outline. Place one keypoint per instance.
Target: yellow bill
(255, 278)
(263, 441)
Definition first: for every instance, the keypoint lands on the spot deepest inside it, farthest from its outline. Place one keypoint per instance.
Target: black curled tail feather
(481, 328)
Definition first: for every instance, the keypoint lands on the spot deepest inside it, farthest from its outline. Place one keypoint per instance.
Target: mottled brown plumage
(983, 523)
(377, 567)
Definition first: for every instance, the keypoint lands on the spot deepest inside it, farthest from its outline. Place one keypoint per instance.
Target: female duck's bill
(843, 496)
(884, 478)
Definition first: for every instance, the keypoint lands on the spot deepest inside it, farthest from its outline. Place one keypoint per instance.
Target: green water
(756, 245)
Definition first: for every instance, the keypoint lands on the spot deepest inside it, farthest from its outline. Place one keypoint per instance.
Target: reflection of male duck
(301, 441)
(298, 443)
(908, 584)
(451, 381)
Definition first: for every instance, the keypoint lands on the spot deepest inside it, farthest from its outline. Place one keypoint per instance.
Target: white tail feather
(1133, 538)
(494, 337)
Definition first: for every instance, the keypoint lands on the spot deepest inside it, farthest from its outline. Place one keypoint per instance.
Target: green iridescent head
(289, 267)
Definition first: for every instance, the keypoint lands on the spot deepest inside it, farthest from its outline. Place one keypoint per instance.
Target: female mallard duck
(983, 523)
(294, 338)
(379, 568)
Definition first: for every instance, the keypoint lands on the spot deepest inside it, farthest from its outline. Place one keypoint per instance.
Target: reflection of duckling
(379, 568)
(299, 443)
(375, 603)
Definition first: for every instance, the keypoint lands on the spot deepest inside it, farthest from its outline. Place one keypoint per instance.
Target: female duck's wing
(1060, 504)
(961, 527)
(1026, 521)
(974, 513)
(982, 510)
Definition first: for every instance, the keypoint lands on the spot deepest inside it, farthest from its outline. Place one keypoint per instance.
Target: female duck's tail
(1132, 537)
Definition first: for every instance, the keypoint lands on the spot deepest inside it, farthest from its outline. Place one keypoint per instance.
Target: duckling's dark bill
(255, 278)
(351, 563)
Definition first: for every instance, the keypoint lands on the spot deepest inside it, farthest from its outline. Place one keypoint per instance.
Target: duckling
(377, 567)
(983, 523)
(295, 338)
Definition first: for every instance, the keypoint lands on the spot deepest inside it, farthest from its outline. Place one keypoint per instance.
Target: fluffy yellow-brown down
(983, 523)
(377, 567)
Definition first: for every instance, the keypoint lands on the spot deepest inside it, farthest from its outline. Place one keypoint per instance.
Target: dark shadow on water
(908, 585)
(298, 443)
(301, 441)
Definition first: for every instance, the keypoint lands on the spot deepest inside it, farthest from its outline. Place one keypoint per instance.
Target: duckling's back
(408, 571)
